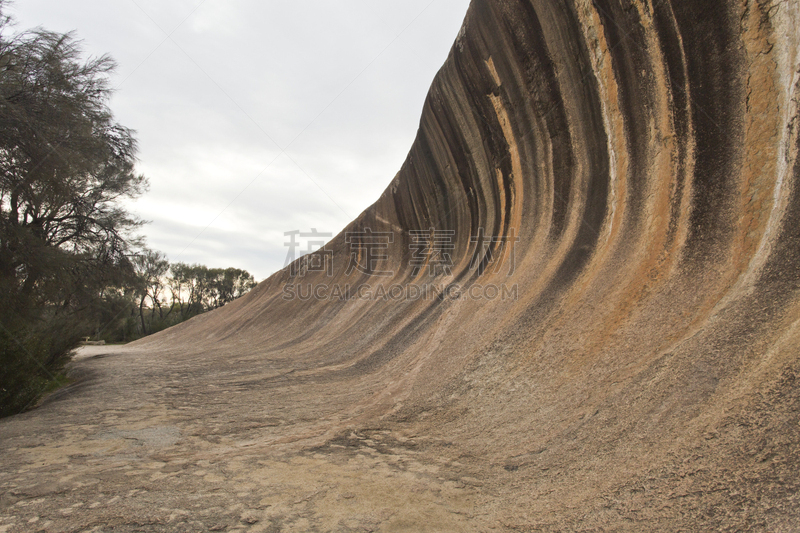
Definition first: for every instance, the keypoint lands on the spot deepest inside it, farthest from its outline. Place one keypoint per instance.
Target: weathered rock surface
(646, 377)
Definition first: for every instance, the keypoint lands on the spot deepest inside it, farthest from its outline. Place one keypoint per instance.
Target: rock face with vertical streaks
(625, 174)
(645, 155)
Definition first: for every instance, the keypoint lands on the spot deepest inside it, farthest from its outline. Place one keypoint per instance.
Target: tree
(65, 165)
(159, 295)
(197, 288)
(151, 267)
(229, 284)
(188, 288)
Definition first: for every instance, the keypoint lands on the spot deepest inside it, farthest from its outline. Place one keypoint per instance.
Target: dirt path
(142, 442)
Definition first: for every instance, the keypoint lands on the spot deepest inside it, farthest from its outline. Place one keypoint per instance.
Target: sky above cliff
(259, 118)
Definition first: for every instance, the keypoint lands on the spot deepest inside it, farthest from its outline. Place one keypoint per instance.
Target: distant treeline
(166, 294)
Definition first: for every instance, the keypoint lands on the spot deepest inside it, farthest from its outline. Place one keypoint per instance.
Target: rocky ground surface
(152, 441)
(141, 443)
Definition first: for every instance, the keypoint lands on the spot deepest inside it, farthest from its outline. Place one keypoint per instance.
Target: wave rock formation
(613, 337)
(630, 168)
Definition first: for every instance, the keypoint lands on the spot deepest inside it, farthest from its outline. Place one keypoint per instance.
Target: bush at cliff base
(32, 359)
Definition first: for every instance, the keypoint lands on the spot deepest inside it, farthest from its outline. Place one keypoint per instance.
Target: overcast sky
(255, 118)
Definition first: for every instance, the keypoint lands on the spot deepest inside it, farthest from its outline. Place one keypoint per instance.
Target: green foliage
(64, 166)
(68, 266)
(31, 361)
(151, 267)
(166, 294)
(206, 288)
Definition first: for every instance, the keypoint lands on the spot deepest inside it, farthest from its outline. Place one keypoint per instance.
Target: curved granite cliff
(624, 173)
